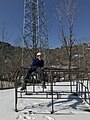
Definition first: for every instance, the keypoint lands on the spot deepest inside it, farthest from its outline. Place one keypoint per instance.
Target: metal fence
(79, 84)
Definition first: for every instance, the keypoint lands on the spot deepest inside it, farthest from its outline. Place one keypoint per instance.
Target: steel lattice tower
(35, 34)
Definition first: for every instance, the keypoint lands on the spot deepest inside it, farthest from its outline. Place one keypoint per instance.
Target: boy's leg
(29, 71)
(41, 75)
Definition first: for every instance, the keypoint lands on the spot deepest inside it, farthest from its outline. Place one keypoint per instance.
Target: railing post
(85, 94)
(81, 88)
(16, 95)
(52, 91)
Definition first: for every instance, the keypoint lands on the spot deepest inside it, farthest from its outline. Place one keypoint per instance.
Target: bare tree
(4, 37)
(66, 13)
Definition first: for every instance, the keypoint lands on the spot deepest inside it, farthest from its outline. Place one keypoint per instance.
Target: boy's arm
(34, 62)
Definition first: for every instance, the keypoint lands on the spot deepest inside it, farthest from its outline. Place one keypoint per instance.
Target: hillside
(11, 56)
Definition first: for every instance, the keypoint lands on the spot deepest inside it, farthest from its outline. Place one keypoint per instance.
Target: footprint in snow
(48, 118)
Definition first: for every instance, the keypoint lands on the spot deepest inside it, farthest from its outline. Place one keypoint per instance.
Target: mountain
(11, 57)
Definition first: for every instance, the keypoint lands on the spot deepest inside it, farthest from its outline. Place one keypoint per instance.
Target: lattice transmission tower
(35, 35)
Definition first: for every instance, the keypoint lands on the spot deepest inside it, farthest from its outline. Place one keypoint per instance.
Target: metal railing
(79, 85)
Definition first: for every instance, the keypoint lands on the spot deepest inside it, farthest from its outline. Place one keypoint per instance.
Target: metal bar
(53, 98)
(16, 95)
(50, 85)
(52, 92)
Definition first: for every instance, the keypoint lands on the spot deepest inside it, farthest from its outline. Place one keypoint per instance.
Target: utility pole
(35, 34)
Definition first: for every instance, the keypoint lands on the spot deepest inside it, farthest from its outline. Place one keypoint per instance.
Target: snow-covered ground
(39, 109)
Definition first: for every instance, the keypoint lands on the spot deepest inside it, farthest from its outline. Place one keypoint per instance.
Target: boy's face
(39, 57)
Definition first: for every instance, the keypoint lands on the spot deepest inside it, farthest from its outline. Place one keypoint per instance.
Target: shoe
(23, 86)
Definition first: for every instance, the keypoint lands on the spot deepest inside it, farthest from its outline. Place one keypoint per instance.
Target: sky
(11, 14)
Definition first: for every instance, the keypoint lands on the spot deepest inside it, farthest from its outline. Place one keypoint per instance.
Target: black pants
(38, 70)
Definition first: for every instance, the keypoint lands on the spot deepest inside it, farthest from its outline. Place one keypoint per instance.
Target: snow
(40, 109)
(7, 105)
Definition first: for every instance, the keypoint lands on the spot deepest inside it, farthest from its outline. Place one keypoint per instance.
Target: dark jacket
(38, 63)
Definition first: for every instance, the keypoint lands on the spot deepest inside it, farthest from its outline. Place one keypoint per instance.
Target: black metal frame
(81, 89)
